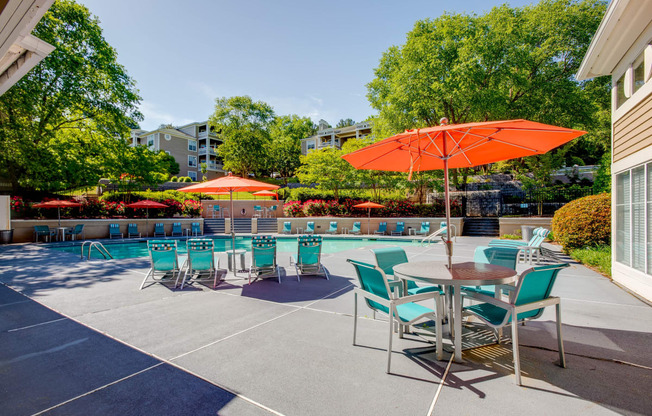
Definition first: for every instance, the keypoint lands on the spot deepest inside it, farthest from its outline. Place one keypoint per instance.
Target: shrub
(293, 209)
(598, 257)
(583, 222)
(173, 179)
(192, 208)
(187, 179)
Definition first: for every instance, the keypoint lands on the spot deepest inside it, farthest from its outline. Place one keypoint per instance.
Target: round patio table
(460, 274)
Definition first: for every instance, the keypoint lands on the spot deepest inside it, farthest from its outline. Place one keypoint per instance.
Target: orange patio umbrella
(147, 204)
(369, 205)
(266, 193)
(58, 204)
(230, 184)
(459, 146)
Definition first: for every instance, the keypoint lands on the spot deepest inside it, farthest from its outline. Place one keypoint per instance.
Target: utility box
(527, 231)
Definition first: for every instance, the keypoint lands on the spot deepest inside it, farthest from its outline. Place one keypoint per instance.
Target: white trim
(196, 161)
(635, 280)
(637, 97)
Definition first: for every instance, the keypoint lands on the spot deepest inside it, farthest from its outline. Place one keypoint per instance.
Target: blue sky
(308, 58)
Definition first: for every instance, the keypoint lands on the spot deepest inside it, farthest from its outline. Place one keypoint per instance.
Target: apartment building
(190, 145)
(334, 137)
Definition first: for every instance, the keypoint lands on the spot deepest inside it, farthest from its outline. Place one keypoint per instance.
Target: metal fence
(541, 201)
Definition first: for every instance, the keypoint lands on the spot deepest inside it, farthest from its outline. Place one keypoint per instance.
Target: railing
(440, 232)
(98, 246)
(206, 151)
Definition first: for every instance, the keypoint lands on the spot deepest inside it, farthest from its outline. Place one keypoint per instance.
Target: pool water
(133, 249)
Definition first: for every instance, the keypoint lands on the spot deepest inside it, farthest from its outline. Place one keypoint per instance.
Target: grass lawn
(597, 257)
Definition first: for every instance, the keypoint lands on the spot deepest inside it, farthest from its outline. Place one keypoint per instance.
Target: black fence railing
(541, 201)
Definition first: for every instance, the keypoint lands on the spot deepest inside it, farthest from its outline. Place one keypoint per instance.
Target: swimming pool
(120, 249)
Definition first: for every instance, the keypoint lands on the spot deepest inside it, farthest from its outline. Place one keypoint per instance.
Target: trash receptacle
(6, 236)
(527, 231)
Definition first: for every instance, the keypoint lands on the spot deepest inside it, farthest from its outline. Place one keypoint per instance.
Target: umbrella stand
(447, 241)
(235, 268)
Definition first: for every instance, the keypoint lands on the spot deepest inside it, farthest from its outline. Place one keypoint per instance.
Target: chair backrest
(273, 208)
(159, 227)
(538, 236)
(114, 228)
(163, 254)
(176, 227)
(78, 229)
(216, 208)
(533, 285)
(388, 257)
(372, 280)
(41, 229)
(425, 227)
(132, 228)
(309, 249)
(263, 251)
(310, 226)
(195, 228)
(400, 226)
(201, 253)
(287, 227)
(500, 256)
(257, 208)
(356, 226)
(333, 226)
(382, 227)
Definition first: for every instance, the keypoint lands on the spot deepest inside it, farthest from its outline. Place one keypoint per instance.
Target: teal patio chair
(176, 229)
(308, 259)
(43, 231)
(195, 229)
(159, 230)
(263, 258)
(132, 231)
(114, 231)
(287, 227)
(310, 227)
(201, 259)
(400, 228)
(217, 212)
(526, 301)
(425, 228)
(382, 228)
(333, 228)
(258, 211)
(388, 257)
(78, 230)
(164, 262)
(272, 210)
(375, 289)
(356, 228)
(528, 248)
(500, 256)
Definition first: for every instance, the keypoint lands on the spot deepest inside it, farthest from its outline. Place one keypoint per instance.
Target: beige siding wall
(178, 148)
(633, 132)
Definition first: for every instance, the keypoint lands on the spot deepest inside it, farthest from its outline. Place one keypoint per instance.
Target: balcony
(213, 165)
(207, 151)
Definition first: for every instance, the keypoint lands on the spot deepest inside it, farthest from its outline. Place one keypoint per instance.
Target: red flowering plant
(113, 209)
(192, 208)
(174, 208)
(17, 203)
(293, 209)
(397, 209)
(315, 208)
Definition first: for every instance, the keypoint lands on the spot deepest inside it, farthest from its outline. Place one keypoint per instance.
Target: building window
(639, 72)
(150, 140)
(192, 161)
(620, 91)
(192, 175)
(192, 145)
(310, 145)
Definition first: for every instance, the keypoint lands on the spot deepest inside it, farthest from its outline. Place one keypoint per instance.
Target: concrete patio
(78, 337)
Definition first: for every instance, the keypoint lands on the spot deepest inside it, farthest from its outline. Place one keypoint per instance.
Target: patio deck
(80, 338)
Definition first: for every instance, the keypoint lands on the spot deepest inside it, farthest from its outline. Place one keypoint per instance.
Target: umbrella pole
(368, 220)
(235, 269)
(447, 242)
(146, 222)
(59, 215)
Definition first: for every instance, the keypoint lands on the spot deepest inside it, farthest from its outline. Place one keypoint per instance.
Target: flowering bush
(174, 208)
(112, 209)
(393, 208)
(315, 208)
(192, 208)
(293, 209)
(397, 209)
(17, 204)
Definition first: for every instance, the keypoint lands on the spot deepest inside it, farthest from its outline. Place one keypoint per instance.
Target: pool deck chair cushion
(114, 231)
(376, 291)
(400, 228)
(308, 258)
(164, 262)
(132, 231)
(159, 230)
(310, 227)
(356, 228)
(382, 228)
(529, 297)
(333, 228)
(388, 257)
(263, 258)
(287, 227)
(201, 260)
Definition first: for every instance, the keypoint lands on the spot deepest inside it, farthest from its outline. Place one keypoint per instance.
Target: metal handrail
(439, 232)
(98, 246)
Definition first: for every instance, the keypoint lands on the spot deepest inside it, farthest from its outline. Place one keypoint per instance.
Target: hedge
(344, 208)
(584, 222)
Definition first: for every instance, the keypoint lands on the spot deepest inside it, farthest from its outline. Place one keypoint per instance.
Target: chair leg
(389, 347)
(438, 327)
(517, 363)
(560, 340)
(355, 315)
(145, 279)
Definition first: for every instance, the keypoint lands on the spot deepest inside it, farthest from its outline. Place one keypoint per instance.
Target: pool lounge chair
(375, 289)
(310, 227)
(263, 258)
(114, 231)
(528, 248)
(43, 231)
(400, 228)
(308, 259)
(159, 230)
(164, 262)
(287, 227)
(74, 232)
(132, 231)
(201, 259)
(382, 228)
(195, 229)
(388, 257)
(176, 229)
(333, 228)
(527, 300)
(425, 228)
(356, 228)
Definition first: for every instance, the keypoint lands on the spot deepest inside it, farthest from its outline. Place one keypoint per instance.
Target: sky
(308, 58)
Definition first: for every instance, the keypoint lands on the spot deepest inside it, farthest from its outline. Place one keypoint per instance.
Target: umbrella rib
(432, 140)
(457, 144)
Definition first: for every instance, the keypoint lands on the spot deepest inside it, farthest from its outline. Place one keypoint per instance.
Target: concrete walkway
(80, 338)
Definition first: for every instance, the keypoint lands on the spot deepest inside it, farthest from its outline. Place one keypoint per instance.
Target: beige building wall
(178, 148)
(633, 132)
(5, 212)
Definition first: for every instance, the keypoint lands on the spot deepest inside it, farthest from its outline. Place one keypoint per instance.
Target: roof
(175, 132)
(622, 25)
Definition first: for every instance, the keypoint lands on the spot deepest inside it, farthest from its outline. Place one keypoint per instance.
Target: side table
(230, 261)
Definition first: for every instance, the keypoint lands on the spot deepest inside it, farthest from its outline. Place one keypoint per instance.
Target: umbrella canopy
(230, 184)
(266, 193)
(369, 205)
(147, 204)
(58, 204)
(458, 146)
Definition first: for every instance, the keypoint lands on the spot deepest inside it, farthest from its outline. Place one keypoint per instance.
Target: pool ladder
(98, 246)
(440, 232)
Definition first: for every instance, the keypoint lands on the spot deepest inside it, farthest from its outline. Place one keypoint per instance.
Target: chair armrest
(371, 296)
(487, 299)
(417, 298)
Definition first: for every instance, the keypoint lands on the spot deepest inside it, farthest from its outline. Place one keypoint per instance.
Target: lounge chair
(308, 259)
(425, 228)
(287, 227)
(356, 228)
(195, 229)
(164, 261)
(201, 258)
(382, 228)
(74, 232)
(526, 301)
(263, 258)
(500, 256)
(531, 247)
(388, 257)
(377, 293)
(310, 227)
(272, 210)
(258, 211)
(333, 228)
(217, 212)
(400, 228)
(43, 231)
(176, 229)
(132, 231)
(159, 230)
(114, 231)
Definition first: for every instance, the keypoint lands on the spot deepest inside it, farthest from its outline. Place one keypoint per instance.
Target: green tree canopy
(286, 133)
(243, 125)
(60, 122)
(345, 123)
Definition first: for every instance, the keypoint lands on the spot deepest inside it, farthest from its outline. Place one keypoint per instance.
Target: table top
(461, 274)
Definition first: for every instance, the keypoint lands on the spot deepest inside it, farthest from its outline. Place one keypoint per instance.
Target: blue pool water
(132, 249)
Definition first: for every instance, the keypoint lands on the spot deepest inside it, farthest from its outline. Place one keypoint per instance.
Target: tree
(345, 123)
(59, 123)
(326, 168)
(140, 166)
(286, 133)
(243, 126)
(509, 63)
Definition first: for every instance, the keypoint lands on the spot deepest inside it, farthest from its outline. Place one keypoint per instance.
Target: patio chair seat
(263, 258)
(163, 260)
(201, 258)
(308, 258)
(356, 228)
